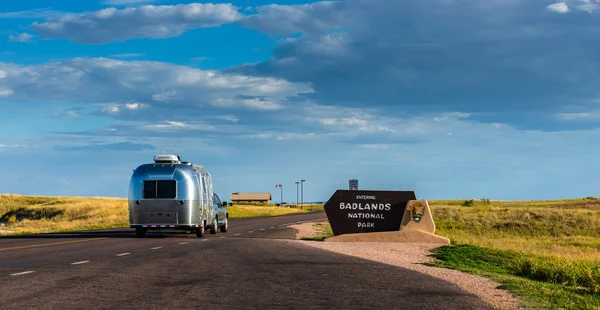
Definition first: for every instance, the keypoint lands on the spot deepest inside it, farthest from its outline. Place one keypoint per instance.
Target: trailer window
(166, 189)
(160, 189)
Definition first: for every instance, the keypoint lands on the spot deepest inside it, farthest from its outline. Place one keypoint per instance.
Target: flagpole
(281, 197)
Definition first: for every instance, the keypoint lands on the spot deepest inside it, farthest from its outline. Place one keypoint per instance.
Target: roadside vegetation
(322, 232)
(40, 214)
(546, 252)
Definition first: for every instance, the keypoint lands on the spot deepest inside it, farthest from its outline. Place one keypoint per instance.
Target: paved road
(253, 266)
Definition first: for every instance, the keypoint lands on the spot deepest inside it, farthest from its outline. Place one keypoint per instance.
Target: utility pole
(302, 192)
(280, 186)
(297, 193)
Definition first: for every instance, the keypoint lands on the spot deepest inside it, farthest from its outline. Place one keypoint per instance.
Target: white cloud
(6, 146)
(230, 118)
(147, 21)
(579, 116)
(31, 14)
(176, 125)
(416, 56)
(126, 2)
(133, 106)
(73, 114)
(282, 136)
(128, 84)
(375, 146)
(278, 19)
(201, 58)
(127, 55)
(589, 5)
(21, 38)
(255, 103)
(559, 7)
(112, 109)
(6, 93)
(582, 5)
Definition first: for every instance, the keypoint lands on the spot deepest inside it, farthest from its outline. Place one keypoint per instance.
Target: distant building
(353, 184)
(259, 197)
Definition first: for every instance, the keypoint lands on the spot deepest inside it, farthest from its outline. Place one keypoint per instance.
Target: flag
(278, 186)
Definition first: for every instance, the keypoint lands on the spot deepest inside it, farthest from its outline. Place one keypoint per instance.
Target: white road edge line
(156, 248)
(204, 239)
(183, 243)
(251, 231)
(262, 229)
(81, 262)
(237, 234)
(222, 237)
(272, 227)
(123, 254)
(20, 273)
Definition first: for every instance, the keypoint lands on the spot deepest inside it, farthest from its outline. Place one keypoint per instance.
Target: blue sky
(493, 99)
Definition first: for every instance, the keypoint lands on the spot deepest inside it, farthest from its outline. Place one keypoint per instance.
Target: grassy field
(244, 211)
(546, 252)
(38, 214)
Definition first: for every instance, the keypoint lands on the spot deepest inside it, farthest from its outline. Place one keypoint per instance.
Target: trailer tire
(200, 230)
(140, 232)
(213, 226)
(225, 225)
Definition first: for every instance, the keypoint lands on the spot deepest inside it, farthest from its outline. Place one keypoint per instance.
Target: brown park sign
(360, 211)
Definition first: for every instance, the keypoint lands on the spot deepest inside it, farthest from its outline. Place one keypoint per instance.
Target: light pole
(280, 186)
(297, 193)
(302, 193)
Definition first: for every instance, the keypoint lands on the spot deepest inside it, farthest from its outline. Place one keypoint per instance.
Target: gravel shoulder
(409, 256)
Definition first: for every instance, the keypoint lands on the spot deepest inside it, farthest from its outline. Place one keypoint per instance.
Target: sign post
(361, 211)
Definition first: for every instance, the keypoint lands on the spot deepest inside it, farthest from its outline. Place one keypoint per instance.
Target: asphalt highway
(255, 265)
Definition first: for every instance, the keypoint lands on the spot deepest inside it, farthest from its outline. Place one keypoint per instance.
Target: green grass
(40, 214)
(323, 232)
(534, 279)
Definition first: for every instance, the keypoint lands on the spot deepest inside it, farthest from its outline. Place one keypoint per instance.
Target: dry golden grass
(561, 229)
(41, 214)
(53, 214)
(244, 211)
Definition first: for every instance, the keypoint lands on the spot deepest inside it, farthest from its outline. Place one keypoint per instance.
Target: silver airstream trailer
(170, 194)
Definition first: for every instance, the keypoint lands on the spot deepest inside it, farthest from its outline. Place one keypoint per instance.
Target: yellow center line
(47, 244)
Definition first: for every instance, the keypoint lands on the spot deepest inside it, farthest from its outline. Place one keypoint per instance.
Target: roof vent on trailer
(167, 159)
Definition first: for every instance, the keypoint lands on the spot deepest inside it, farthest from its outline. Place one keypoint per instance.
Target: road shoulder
(411, 256)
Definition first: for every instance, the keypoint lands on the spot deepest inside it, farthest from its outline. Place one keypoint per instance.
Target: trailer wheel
(200, 230)
(213, 226)
(225, 225)
(140, 232)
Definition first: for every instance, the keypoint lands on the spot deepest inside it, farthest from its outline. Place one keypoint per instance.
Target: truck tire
(225, 225)
(213, 226)
(140, 232)
(200, 230)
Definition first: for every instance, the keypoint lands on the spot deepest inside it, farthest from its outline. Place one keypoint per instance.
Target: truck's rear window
(160, 189)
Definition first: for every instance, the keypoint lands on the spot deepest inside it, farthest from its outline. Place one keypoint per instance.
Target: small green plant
(468, 203)
(11, 219)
